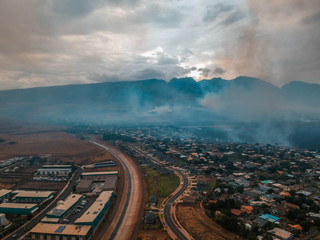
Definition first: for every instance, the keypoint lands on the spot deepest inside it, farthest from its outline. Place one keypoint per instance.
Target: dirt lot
(63, 147)
(153, 235)
(199, 225)
(35, 185)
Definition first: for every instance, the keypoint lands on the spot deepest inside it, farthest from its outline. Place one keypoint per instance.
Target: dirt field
(199, 225)
(34, 185)
(62, 146)
(153, 235)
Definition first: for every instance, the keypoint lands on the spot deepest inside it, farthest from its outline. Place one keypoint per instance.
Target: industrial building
(84, 185)
(44, 231)
(98, 175)
(18, 208)
(110, 183)
(33, 196)
(5, 194)
(57, 170)
(63, 208)
(105, 164)
(96, 211)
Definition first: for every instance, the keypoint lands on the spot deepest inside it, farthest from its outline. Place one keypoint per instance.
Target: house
(269, 218)
(236, 212)
(281, 233)
(246, 209)
(292, 206)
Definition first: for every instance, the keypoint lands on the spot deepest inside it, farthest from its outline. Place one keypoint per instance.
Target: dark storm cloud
(218, 71)
(204, 71)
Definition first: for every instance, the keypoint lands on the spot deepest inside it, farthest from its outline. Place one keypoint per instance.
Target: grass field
(160, 185)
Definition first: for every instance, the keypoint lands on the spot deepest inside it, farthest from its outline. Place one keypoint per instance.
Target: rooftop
(281, 233)
(63, 206)
(61, 229)
(99, 173)
(269, 217)
(56, 166)
(4, 192)
(39, 194)
(94, 210)
(17, 205)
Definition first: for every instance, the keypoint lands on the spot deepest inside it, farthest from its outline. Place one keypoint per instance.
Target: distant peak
(186, 79)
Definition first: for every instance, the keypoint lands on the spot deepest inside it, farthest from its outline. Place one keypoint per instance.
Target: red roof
(236, 212)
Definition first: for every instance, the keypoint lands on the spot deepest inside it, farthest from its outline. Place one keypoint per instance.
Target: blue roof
(269, 217)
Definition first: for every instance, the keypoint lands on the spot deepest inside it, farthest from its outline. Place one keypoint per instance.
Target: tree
(305, 225)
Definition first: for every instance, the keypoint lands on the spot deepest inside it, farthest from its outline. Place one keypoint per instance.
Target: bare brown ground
(199, 225)
(6, 185)
(64, 147)
(153, 235)
(53, 186)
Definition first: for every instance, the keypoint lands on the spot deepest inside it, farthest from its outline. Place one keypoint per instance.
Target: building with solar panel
(62, 209)
(96, 211)
(60, 231)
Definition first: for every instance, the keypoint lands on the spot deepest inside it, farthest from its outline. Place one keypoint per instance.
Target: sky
(58, 42)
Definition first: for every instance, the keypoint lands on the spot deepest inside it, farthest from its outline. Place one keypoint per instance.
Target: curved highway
(167, 210)
(125, 224)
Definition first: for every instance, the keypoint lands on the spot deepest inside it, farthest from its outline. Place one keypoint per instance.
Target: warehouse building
(105, 164)
(96, 211)
(44, 231)
(56, 170)
(110, 183)
(18, 208)
(84, 186)
(33, 196)
(5, 194)
(98, 175)
(63, 208)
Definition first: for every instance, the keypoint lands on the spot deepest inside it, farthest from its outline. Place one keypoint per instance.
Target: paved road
(65, 192)
(126, 222)
(167, 210)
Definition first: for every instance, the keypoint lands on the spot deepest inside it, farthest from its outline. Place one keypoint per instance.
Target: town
(255, 191)
(250, 191)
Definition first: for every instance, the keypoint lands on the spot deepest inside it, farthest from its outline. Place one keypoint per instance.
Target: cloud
(218, 71)
(233, 17)
(313, 19)
(74, 41)
(214, 11)
(149, 73)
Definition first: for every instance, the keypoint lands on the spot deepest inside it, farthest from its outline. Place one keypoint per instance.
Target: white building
(57, 170)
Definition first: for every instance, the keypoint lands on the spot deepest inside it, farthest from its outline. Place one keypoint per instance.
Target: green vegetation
(160, 185)
(114, 137)
(157, 225)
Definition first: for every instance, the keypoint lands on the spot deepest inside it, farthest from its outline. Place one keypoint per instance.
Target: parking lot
(79, 210)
